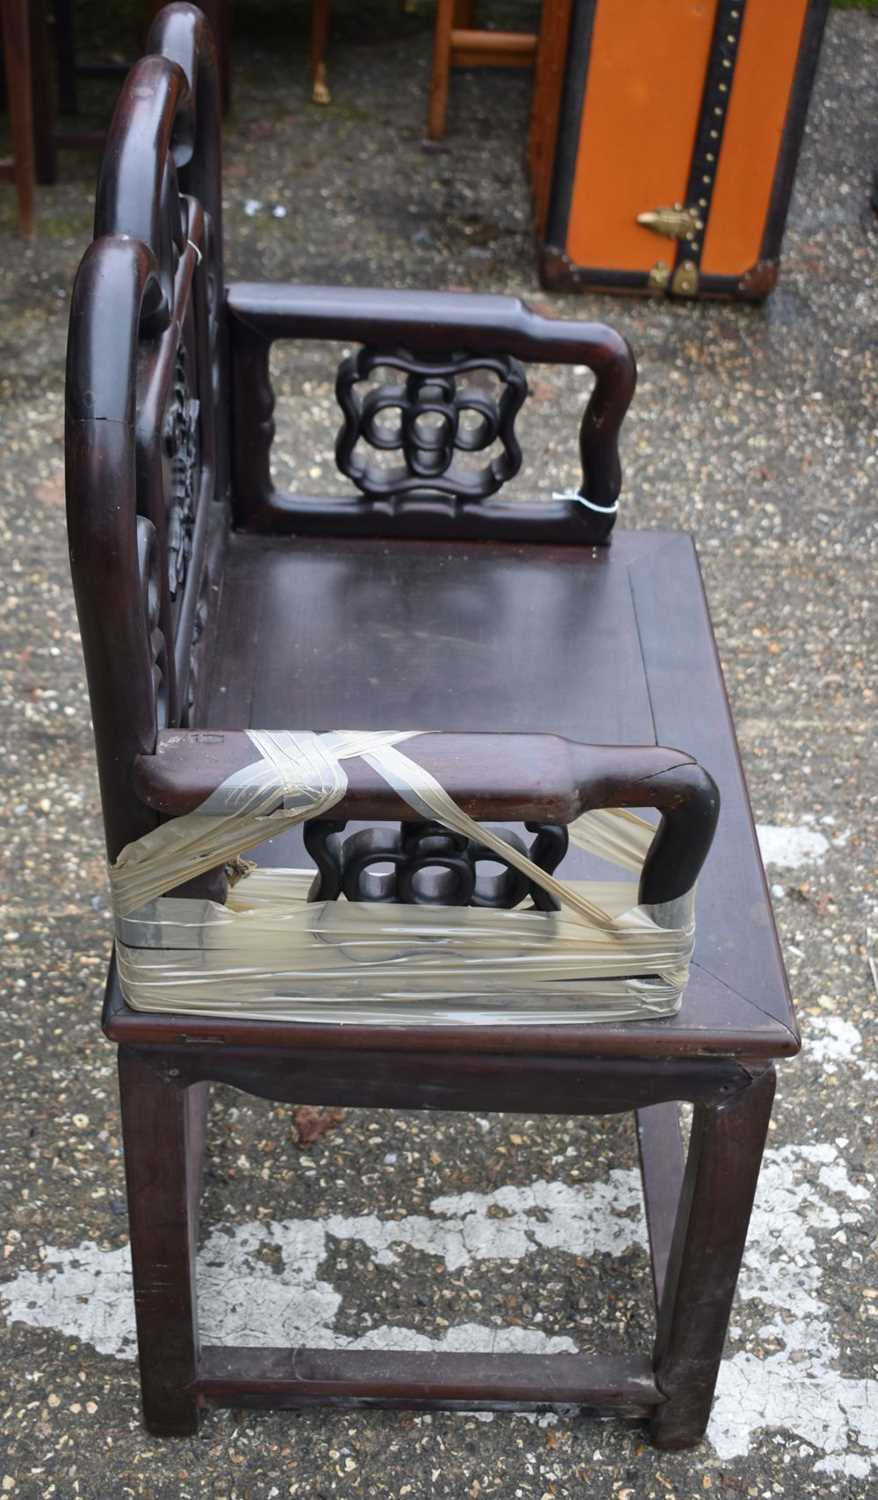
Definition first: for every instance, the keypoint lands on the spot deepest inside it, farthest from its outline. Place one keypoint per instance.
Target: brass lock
(677, 222)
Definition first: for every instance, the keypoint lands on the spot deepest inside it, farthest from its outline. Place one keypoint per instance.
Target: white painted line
(788, 847)
(805, 1199)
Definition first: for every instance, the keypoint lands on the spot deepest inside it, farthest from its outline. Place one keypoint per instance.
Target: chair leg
(438, 108)
(16, 45)
(161, 1129)
(722, 1169)
(319, 41)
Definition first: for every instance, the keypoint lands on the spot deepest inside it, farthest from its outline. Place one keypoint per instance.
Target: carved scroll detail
(426, 864)
(430, 419)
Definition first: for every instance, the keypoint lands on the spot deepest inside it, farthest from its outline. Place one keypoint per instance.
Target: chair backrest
(145, 383)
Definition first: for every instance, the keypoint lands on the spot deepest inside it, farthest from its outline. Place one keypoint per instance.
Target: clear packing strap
(270, 953)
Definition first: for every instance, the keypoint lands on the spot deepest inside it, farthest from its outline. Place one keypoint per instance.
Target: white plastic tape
(270, 952)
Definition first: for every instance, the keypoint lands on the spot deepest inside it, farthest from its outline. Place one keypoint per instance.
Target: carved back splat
(145, 382)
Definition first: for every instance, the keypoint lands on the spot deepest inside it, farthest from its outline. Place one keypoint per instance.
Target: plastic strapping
(574, 495)
(271, 952)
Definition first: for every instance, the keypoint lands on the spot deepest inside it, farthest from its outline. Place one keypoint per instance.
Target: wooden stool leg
(161, 1128)
(16, 45)
(438, 108)
(722, 1169)
(319, 40)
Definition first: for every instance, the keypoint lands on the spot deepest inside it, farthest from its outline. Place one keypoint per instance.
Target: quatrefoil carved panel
(430, 419)
(425, 864)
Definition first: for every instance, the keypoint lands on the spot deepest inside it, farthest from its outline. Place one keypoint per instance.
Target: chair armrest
(492, 777)
(432, 324)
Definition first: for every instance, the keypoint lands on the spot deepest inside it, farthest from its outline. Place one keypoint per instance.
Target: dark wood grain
(117, 275)
(464, 1078)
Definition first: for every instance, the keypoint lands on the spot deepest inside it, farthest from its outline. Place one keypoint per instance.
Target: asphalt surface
(756, 429)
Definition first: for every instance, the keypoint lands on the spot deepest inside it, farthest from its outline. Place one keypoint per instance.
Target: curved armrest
(492, 777)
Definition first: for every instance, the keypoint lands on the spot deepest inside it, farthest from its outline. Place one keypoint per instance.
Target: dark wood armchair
(551, 666)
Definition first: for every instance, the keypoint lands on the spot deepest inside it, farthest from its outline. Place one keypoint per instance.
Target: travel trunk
(664, 141)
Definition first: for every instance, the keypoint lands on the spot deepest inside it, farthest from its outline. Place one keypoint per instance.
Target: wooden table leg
(16, 46)
(161, 1132)
(722, 1168)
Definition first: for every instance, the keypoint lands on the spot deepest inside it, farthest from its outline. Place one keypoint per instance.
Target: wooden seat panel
(327, 633)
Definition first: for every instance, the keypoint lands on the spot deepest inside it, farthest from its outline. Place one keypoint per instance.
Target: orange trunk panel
(642, 99)
(764, 73)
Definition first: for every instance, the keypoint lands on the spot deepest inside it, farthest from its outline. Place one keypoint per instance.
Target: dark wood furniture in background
(19, 168)
(457, 43)
(209, 600)
(663, 159)
(57, 70)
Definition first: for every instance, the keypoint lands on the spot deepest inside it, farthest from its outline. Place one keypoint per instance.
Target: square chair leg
(163, 1133)
(722, 1168)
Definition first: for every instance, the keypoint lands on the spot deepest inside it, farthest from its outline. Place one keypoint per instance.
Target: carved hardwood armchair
(210, 602)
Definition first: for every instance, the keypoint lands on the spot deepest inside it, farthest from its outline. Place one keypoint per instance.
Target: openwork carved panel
(181, 446)
(427, 864)
(151, 594)
(431, 419)
(197, 649)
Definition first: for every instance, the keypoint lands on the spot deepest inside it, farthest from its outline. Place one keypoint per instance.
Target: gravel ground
(753, 427)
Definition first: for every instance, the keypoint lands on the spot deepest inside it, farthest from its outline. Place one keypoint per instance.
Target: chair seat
(605, 645)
